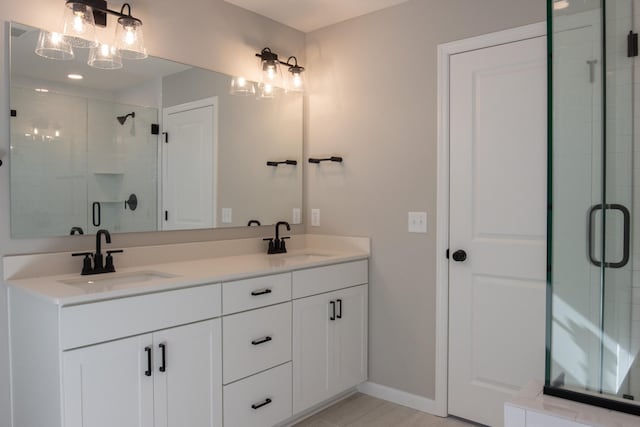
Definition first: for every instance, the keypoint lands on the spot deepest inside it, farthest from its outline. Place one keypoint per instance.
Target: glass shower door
(592, 338)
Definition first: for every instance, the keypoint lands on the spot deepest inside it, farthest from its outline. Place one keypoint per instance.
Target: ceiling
(310, 15)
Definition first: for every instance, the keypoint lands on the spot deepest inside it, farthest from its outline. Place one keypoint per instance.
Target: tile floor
(362, 410)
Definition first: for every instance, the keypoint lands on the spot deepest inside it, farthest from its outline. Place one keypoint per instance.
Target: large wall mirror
(155, 145)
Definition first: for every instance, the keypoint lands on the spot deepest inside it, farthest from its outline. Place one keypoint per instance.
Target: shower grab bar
(626, 238)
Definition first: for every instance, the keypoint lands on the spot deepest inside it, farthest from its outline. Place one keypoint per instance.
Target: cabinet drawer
(315, 281)
(261, 400)
(242, 295)
(107, 320)
(255, 340)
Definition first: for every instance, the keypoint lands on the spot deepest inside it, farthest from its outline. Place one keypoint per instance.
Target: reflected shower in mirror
(84, 139)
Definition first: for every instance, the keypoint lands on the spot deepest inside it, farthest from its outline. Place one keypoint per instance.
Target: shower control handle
(459, 256)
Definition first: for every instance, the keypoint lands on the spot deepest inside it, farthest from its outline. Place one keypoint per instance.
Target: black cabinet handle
(333, 310)
(261, 404)
(339, 316)
(148, 371)
(261, 341)
(261, 292)
(163, 348)
(96, 222)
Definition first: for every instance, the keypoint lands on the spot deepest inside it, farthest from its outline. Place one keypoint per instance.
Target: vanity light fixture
(79, 30)
(270, 71)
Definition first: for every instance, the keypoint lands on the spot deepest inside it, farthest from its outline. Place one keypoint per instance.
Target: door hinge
(155, 129)
(166, 215)
(447, 253)
(632, 44)
(166, 137)
(14, 113)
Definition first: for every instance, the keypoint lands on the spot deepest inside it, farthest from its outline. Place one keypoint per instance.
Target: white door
(188, 169)
(311, 351)
(349, 338)
(498, 98)
(107, 385)
(188, 375)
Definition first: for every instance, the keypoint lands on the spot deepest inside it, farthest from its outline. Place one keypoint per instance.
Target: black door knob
(459, 255)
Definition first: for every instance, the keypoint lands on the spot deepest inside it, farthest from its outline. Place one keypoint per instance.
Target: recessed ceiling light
(41, 90)
(75, 76)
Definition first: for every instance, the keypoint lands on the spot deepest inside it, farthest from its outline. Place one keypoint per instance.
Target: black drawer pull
(163, 347)
(261, 341)
(261, 404)
(262, 292)
(333, 310)
(148, 371)
(339, 316)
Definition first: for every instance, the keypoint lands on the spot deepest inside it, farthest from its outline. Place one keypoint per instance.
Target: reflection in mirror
(170, 134)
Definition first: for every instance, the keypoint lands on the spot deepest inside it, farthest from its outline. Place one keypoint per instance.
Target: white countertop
(186, 273)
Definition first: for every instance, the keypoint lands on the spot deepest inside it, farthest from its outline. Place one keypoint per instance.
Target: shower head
(122, 119)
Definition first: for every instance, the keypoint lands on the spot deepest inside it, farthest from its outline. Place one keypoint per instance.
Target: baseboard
(399, 397)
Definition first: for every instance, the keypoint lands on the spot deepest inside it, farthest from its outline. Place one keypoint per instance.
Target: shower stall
(593, 298)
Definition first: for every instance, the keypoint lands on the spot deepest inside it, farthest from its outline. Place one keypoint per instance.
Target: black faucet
(277, 244)
(98, 266)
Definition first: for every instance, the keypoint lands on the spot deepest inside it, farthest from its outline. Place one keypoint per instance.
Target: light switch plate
(227, 215)
(315, 217)
(417, 222)
(295, 216)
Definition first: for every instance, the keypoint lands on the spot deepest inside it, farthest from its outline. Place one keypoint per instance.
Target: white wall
(373, 100)
(207, 33)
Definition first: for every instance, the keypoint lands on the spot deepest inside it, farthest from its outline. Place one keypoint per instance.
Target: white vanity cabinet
(253, 352)
(101, 363)
(329, 333)
(142, 381)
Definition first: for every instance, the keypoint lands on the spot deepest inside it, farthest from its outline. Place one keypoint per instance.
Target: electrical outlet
(417, 222)
(296, 216)
(315, 217)
(227, 215)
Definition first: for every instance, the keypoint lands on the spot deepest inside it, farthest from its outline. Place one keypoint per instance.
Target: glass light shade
(271, 73)
(295, 79)
(79, 27)
(266, 91)
(129, 39)
(242, 86)
(53, 46)
(105, 57)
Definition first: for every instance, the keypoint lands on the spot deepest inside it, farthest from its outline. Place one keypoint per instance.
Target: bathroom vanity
(242, 340)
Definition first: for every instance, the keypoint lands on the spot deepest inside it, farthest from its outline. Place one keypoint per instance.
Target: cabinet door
(349, 339)
(188, 379)
(311, 351)
(107, 385)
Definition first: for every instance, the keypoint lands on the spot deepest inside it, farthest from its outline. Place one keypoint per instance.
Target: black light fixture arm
(100, 10)
(267, 55)
(328, 159)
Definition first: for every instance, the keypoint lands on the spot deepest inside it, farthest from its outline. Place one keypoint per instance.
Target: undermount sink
(110, 280)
